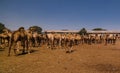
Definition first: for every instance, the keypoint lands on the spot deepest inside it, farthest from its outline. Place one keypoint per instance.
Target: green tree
(83, 31)
(99, 29)
(2, 26)
(35, 29)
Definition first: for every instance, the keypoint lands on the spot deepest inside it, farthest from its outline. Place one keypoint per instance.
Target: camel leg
(24, 44)
(13, 43)
(67, 47)
(28, 47)
(70, 46)
(15, 48)
(9, 49)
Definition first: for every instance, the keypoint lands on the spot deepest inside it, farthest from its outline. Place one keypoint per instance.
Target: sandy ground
(85, 59)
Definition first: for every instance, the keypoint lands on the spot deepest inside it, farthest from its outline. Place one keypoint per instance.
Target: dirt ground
(84, 59)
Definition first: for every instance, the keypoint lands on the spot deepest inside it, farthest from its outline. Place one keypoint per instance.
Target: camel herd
(29, 39)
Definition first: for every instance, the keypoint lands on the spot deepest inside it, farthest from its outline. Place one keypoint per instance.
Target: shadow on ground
(2, 49)
(32, 51)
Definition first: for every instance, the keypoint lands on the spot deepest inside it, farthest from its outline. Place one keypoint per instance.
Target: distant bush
(83, 31)
(2, 26)
(99, 29)
(36, 29)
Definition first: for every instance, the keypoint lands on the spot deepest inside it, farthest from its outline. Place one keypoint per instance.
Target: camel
(110, 39)
(43, 39)
(77, 39)
(98, 38)
(86, 39)
(57, 40)
(69, 42)
(5, 37)
(50, 40)
(30, 38)
(36, 38)
(19, 36)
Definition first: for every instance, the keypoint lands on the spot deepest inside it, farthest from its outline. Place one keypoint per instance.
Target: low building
(61, 31)
(88, 31)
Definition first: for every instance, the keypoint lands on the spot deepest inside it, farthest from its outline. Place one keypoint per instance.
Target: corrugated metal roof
(75, 31)
(103, 31)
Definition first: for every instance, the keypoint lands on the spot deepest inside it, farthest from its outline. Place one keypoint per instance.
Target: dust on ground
(95, 58)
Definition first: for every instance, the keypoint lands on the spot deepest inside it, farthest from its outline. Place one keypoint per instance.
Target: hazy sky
(61, 14)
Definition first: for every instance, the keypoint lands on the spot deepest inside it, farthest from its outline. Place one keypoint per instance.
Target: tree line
(38, 29)
(32, 28)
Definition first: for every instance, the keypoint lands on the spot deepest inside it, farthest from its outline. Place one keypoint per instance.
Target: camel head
(21, 29)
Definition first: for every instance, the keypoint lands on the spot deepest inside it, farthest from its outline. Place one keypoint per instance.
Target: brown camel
(19, 36)
(5, 36)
